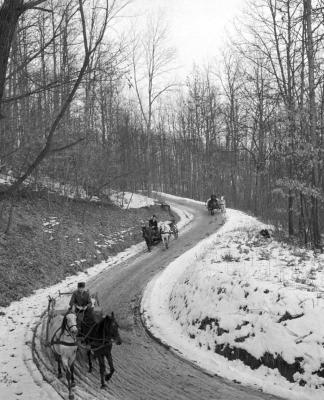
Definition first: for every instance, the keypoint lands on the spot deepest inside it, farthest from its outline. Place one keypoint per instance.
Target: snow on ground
(19, 376)
(249, 297)
(121, 199)
(6, 179)
(130, 200)
(234, 288)
(64, 189)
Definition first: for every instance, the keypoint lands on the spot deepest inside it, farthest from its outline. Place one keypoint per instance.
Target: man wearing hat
(153, 223)
(81, 300)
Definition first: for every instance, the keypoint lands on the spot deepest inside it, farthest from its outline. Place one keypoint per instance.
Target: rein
(62, 342)
(105, 341)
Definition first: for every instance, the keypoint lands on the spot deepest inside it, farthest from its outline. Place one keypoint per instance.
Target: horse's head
(111, 329)
(69, 323)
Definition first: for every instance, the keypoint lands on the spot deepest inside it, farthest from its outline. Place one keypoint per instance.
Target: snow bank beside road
(250, 299)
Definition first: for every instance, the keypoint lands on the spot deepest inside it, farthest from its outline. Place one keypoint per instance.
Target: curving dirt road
(146, 370)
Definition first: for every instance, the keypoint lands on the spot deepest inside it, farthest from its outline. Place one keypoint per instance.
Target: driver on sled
(153, 223)
(81, 300)
(212, 200)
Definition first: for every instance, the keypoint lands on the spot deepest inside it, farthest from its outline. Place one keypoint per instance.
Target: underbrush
(45, 237)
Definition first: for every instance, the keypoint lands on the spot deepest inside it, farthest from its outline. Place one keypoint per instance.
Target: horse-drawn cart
(165, 229)
(214, 204)
(66, 333)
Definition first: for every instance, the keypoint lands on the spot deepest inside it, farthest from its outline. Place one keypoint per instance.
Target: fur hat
(81, 284)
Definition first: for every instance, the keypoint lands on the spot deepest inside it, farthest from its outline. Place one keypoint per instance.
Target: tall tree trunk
(312, 116)
(9, 15)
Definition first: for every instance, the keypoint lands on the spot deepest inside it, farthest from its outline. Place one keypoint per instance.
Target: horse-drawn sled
(161, 233)
(80, 329)
(214, 204)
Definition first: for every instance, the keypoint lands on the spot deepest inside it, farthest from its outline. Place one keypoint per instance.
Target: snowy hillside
(252, 300)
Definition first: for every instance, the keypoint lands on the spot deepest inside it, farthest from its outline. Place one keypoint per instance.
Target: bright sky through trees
(198, 29)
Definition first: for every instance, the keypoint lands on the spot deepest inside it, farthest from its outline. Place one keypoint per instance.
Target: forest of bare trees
(82, 107)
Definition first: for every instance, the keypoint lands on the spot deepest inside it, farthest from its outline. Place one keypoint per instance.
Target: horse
(212, 204)
(165, 232)
(63, 330)
(99, 337)
(150, 236)
(222, 204)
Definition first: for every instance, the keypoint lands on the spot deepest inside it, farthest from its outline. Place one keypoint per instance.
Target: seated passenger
(153, 223)
(212, 202)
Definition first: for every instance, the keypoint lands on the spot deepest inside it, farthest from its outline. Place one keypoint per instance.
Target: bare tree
(93, 31)
(152, 60)
(308, 13)
(10, 12)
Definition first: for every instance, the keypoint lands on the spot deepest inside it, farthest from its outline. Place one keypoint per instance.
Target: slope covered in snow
(245, 307)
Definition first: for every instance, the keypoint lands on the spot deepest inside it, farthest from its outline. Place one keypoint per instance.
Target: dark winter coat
(80, 299)
(153, 224)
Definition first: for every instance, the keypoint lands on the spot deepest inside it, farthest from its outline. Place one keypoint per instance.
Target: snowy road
(146, 370)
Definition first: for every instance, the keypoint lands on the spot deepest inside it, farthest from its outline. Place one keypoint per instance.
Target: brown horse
(99, 336)
(212, 204)
(150, 236)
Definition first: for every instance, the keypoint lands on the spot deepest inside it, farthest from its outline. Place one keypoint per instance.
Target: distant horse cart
(151, 236)
(215, 204)
(212, 205)
(161, 234)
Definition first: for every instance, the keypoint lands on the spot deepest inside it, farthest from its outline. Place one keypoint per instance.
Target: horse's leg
(59, 369)
(89, 360)
(69, 382)
(148, 244)
(102, 369)
(111, 365)
(72, 375)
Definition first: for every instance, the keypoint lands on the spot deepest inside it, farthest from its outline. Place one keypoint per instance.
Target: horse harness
(94, 339)
(165, 233)
(62, 342)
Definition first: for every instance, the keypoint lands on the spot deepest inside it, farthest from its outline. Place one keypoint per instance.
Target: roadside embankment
(246, 308)
(50, 237)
